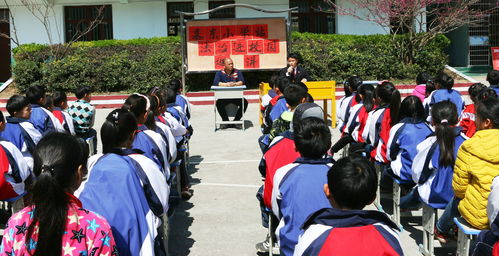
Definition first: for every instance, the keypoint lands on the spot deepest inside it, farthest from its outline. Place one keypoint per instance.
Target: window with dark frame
(227, 13)
(311, 18)
(174, 18)
(4, 15)
(78, 19)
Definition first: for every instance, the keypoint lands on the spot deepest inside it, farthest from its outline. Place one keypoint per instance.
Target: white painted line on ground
(226, 185)
(224, 162)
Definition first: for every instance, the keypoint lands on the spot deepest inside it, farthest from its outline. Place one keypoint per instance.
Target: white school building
(128, 19)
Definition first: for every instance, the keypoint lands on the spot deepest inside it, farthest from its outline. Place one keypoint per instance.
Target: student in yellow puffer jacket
(477, 163)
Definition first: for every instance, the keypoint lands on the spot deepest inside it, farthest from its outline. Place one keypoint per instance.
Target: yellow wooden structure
(320, 90)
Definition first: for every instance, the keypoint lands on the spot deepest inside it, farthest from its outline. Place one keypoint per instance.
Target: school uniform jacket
(14, 171)
(297, 193)
(130, 191)
(349, 232)
(468, 120)
(434, 181)
(377, 132)
(44, 121)
(153, 146)
(357, 122)
(167, 135)
(178, 130)
(402, 146)
(23, 135)
(345, 110)
(183, 102)
(176, 111)
(278, 109)
(65, 119)
(281, 152)
(450, 95)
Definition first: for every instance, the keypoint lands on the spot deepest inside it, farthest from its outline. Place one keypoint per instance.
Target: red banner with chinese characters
(250, 43)
(495, 58)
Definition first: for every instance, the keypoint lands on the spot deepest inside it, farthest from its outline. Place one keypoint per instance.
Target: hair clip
(46, 168)
(444, 121)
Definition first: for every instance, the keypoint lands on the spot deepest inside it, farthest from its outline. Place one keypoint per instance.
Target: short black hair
(81, 91)
(354, 82)
(475, 89)
(493, 77)
(171, 96)
(294, 94)
(59, 97)
(273, 81)
(423, 78)
(16, 103)
(176, 85)
(282, 83)
(312, 137)
(412, 107)
(49, 102)
(352, 182)
(445, 81)
(430, 87)
(489, 109)
(35, 93)
(294, 56)
(310, 98)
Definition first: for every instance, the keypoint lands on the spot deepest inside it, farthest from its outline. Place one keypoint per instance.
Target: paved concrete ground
(223, 218)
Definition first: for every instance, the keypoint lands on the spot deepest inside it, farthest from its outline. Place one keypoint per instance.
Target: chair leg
(396, 203)
(271, 240)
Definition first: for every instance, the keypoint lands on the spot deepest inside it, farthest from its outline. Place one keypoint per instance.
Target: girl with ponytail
(154, 124)
(126, 187)
(444, 92)
(381, 120)
(357, 118)
(55, 223)
(146, 139)
(433, 165)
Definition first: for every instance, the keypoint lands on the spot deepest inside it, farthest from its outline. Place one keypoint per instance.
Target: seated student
(380, 121)
(353, 84)
(493, 79)
(49, 102)
(282, 105)
(477, 163)
(294, 95)
(433, 165)
(14, 170)
(19, 130)
(282, 151)
(430, 87)
(405, 137)
(357, 118)
(126, 188)
(178, 130)
(467, 120)
(346, 229)
(340, 102)
(444, 91)
(420, 89)
(55, 223)
(487, 242)
(308, 173)
(270, 94)
(176, 112)
(60, 101)
(83, 115)
(162, 129)
(281, 85)
(43, 120)
(180, 100)
(148, 141)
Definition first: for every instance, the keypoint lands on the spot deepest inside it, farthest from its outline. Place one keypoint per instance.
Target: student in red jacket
(468, 116)
(346, 229)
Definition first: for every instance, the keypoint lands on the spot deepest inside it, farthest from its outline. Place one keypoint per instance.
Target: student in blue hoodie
(444, 91)
(405, 137)
(18, 130)
(307, 174)
(43, 120)
(493, 79)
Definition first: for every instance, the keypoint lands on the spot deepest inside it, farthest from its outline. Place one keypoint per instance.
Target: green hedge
(138, 64)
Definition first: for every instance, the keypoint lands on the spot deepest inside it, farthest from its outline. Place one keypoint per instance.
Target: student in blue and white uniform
(59, 110)
(493, 79)
(18, 130)
(161, 129)
(352, 84)
(148, 141)
(176, 111)
(433, 165)
(444, 91)
(405, 137)
(290, 203)
(126, 188)
(43, 120)
(13, 167)
(180, 100)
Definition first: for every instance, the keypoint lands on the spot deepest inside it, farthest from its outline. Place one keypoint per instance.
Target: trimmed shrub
(139, 64)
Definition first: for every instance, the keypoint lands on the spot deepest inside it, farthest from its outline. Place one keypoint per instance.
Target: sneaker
(441, 237)
(263, 247)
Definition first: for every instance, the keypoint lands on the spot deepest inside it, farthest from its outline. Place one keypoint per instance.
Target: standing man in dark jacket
(293, 71)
